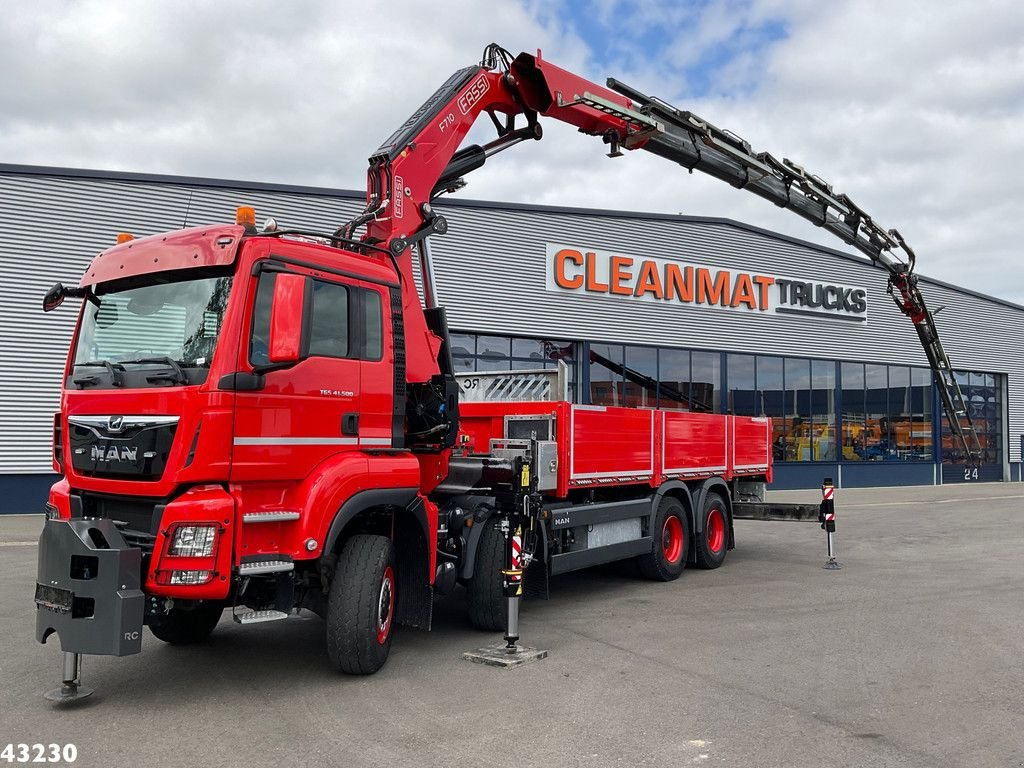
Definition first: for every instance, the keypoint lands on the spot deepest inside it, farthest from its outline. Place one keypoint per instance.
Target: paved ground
(909, 656)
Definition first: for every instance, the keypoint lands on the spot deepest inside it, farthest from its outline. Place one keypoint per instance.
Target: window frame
(357, 345)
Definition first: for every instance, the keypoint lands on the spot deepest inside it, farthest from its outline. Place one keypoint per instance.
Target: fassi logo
(654, 279)
(473, 94)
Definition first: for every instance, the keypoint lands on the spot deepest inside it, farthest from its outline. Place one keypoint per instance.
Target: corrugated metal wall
(490, 274)
(50, 228)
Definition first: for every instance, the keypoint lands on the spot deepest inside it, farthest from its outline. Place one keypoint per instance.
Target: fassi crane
(256, 470)
(423, 159)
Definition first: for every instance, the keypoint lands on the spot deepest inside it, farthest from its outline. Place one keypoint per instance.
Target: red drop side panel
(751, 445)
(610, 445)
(694, 444)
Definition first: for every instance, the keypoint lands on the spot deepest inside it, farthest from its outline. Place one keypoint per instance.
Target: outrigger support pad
(71, 688)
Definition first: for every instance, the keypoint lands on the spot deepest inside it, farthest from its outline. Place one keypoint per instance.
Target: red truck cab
(228, 398)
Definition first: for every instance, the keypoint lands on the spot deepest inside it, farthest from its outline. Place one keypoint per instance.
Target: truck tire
(671, 535)
(184, 626)
(486, 590)
(713, 542)
(361, 605)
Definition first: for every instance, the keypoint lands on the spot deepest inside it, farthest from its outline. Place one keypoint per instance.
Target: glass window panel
(463, 344)
(493, 347)
(674, 378)
(983, 394)
(559, 349)
(328, 323)
(463, 364)
(640, 388)
(740, 375)
(374, 322)
(529, 349)
(853, 440)
(797, 408)
(876, 402)
(705, 381)
(898, 428)
(770, 395)
(605, 377)
(922, 433)
(823, 410)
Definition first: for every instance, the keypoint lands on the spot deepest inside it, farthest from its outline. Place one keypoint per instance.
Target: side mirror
(53, 298)
(286, 318)
(56, 295)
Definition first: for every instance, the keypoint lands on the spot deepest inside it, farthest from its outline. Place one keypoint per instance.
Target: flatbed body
(604, 446)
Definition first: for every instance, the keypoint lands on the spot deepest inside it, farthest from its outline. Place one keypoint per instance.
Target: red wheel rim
(385, 605)
(714, 529)
(672, 539)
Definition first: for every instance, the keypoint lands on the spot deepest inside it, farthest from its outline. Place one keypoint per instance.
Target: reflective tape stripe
(368, 441)
(296, 441)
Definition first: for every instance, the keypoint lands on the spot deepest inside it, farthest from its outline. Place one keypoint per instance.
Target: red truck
(268, 419)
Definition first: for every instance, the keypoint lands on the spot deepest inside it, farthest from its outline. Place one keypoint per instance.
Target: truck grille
(135, 453)
(137, 539)
(137, 519)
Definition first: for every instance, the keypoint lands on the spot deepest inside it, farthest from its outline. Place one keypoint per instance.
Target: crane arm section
(424, 158)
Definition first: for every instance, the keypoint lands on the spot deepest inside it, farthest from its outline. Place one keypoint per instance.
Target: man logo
(114, 453)
(115, 425)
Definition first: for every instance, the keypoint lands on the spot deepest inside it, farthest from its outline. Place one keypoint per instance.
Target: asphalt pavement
(911, 655)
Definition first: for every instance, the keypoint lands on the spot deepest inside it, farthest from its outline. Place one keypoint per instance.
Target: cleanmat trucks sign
(653, 279)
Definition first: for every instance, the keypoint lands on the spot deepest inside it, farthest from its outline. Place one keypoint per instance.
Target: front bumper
(88, 588)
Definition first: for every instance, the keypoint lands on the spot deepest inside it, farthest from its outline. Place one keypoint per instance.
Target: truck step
(278, 516)
(258, 617)
(257, 567)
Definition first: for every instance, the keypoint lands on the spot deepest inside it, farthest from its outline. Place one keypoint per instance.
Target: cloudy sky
(914, 109)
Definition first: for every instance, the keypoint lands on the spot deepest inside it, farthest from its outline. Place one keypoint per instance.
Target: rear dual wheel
(671, 539)
(713, 541)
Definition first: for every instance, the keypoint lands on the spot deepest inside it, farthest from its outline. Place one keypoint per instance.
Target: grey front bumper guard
(88, 588)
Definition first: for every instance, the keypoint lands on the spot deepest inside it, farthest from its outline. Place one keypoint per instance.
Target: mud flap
(88, 588)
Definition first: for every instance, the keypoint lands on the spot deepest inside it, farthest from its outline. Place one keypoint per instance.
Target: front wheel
(186, 625)
(361, 606)
(712, 542)
(486, 591)
(671, 535)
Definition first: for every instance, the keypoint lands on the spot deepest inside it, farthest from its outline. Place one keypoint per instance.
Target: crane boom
(424, 159)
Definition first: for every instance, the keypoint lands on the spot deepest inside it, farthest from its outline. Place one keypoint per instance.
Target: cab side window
(259, 344)
(372, 326)
(328, 320)
(341, 321)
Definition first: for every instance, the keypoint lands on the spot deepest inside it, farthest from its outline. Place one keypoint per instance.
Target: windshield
(173, 325)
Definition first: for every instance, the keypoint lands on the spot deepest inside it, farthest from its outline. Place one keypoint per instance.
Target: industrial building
(645, 310)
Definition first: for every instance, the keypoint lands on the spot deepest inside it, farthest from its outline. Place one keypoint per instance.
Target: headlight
(193, 541)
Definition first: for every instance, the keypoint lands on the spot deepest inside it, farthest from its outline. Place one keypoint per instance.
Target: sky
(913, 109)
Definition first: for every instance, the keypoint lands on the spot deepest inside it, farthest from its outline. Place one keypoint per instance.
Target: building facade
(646, 310)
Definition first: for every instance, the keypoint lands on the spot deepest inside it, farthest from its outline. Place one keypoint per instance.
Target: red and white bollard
(827, 518)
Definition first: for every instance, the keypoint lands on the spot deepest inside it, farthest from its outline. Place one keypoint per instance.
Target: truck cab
(233, 407)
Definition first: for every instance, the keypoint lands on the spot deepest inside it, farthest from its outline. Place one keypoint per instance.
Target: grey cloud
(914, 109)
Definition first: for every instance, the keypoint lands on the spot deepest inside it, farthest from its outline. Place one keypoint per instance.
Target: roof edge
(13, 169)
